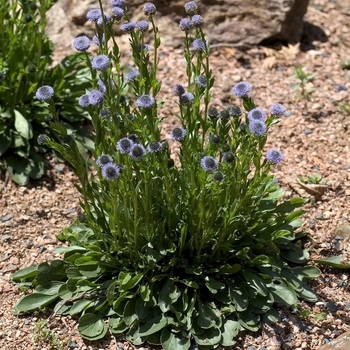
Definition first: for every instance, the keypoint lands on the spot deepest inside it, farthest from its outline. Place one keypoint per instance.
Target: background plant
(171, 253)
(26, 64)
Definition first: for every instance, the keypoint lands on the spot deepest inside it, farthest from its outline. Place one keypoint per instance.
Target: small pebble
(5, 237)
(316, 168)
(327, 340)
(319, 216)
(338, 238)
(321, 303)
(324, 54)
(280, 69)
(330, 305)
(308, 131)
(26, 321)
(341, 87)
(341, 283)
(346, 167)
(312, 223)
(327, 215)
(6, 218)
(288, 114)
(251, 348)
(347, 305)
(263, 348)
(326, 279)
(59, 168)
(42, 249)
(72, 345)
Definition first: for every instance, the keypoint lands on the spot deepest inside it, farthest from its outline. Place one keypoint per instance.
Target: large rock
(340, 343)
(238, 22)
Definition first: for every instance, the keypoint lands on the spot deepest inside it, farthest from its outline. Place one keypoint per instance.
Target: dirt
(314, 137)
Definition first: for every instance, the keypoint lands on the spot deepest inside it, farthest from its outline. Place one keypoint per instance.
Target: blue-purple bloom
(257, 114)
(81, 43)
(178, 133)
(100, 62)
(131, 75)
(101, 86)
(186, 98)
(242, 89)
(145, 47)
(104, 159)
(145, 101)
(93, 15)
(234, 111)
(100, 20)
(185, 24)
(154, 146)
(257, 127)
(178, 90)
(118, 3)
(127, 27)
(149, 9)
(97, 41)
(117, 13)
(278, 109)
(197, 21)
(209, 163)
(44, 93)
(137, 152)
(110, 171)
(84, 100)
(142, 26)
(41, 138)
(198, 44)
(125, 144)
(95, 97)
(191, 8)
(274, 155)
(201, 81)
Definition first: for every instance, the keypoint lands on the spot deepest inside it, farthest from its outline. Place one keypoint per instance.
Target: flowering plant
(172, 249)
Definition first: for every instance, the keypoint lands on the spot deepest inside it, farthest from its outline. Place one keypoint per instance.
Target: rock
(343, 230)
(242, 23)
(340, 343)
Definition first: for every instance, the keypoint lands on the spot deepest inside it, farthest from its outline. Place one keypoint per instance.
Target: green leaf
(174, 341)
(270, 317)
(239, 296)
(23, 126)
(229, 330)
(153, 325)
(213, 285)
(249, 320)
(256, 282)
(18, 169)
(50, 288)
(79, 306)
(117, 326)
(210, 337)
(208, 316)
(131, 283)
(284, 294)
(27, 273)
(92, 327)
(5, 143)
(334, 261)
(34, 301)
(55, 270)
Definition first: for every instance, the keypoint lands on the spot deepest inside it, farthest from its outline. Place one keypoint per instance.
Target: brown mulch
(314, 138)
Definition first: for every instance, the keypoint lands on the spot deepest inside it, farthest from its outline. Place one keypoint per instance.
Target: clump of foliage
(171, 253)
(26, 57)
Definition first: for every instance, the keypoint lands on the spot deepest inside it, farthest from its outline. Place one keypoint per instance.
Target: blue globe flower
(185, 24)
(257, 127)
(44, 93)
(131, 75)
(104, 159)
(110, 171)
(93, 15)
(125, 144)
(198, 44)
(149, 9)
(81, 43)
(84, 100)
(278, 109)
(201, 81)
(145, 101)
(95, 97)
(127, 27)
(100, 62)
(117, 13)
(209, 163)
(186, 98)
(257, 114)
(178, 90)
(142, 26)
(137, 152)
(178, 134)
(191, 8)
(242, 89)
(274, 155)
(118, 3)
(197, 21)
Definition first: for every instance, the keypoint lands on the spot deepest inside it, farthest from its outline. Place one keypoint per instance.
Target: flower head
(198, 44)
(133, 137)
(274, 155)
(191, 8)
(278, 109)
(118, 3)
(201, 81)
(142, 26)
(257, 127)
(100, 62)
(110, 171)
(131, 75)
(127, 27)
(104, 159)
(185, 24)
(137, 152)
(81, 43)
(218, 176)
(117, 13)
(44, 93)
(93, 15)
(145, 47)
(146, 101)
(257, 114)
(212, 112)
(229, 157)
(154, 146)
(186, 98)
(197, 21)
(178, 90)
(224, 114)
(41, 138)
(209, 163)
(215, 139)
(101, 86)
(124, 145)
(178, 133)
(97, 40)
(242, 89)
(84, 100)
(95, 97)
(149, 9)
(100, 20)
(234, 111)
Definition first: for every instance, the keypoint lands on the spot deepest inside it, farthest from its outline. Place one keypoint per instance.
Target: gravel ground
(314, 138)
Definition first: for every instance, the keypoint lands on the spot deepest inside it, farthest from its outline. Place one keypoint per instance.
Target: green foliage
(345, 64)
(315, 179)
(25, 65)
(301, 86)
(345, 108)
(168, 253)
(333, 261)
(45, 336)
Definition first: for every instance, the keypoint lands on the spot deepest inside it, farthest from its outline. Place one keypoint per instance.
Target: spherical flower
(257, 114)
(117, 13)
(93, 15)
(131, 75)
(101, 86)
(68, 139)
(104, 159)
(229, 157)
(127, 27)
(97, 40)
(100, 62)
(44, 93)
(209, 163)
(186, 98)
(218, 176)
(110, 171)
(274, 155)
(178, 90)
(142, 26)
(149, 9)
(145, 47)
(198, 44)
(137, 152)
(125, 144)
(95, 97)
(185, 25)
(81, 43)
(84, 100)
(41, 138)
(224, 114)
(145, 101)
(118, 3)
(201, 81)
(242, 89)
(154, 146)
(278, 109)
(257, 127)
(212, 112)
(191, 8)
(197, 21)
(226, 147)
(234, 111)
(100, 20)
(104, 113)
(215, 139)
(178, 134)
